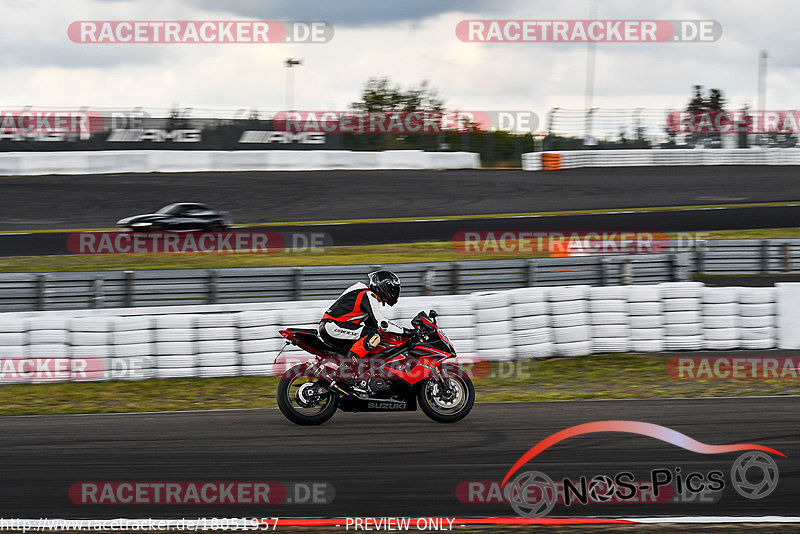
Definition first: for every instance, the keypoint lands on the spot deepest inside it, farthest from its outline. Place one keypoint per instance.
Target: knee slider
(372, 341)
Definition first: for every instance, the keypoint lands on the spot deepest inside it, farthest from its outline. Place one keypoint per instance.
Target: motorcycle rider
(355, 321)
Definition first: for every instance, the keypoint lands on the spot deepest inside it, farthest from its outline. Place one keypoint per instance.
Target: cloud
(349, 13)
(408, 41)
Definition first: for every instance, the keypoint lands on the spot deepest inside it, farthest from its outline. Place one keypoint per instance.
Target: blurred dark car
(179, 217)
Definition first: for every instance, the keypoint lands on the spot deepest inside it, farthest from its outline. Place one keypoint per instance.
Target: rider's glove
(410, 332)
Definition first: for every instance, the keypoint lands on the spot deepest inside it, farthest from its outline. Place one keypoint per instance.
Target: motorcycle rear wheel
(447, 409)
(293, 398)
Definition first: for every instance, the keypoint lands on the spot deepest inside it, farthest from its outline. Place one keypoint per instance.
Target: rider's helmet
(386, 285)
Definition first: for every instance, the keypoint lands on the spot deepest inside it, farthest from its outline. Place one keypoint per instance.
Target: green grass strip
(612, 376)
(343, 255)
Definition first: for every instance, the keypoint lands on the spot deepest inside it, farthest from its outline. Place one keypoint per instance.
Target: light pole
(589, 88)
(290, 62)
(762, 86)
(762, 76)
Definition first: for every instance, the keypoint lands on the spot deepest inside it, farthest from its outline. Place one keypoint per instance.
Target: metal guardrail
(747, 256)
(113, 289)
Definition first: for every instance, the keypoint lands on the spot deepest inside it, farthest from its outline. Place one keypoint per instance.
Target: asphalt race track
(36, 244)
(64, 202)
(98, 201)
(388, 464)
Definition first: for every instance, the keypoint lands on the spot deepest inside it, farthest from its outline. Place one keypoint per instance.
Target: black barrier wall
(171, 133)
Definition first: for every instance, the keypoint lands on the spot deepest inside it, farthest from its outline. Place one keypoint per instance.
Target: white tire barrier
(80, 339)
(569, 319)
(12, 339)
(645, 321)
(713, 322)
(574, 348)
(531, 322)
(646, 334)
(728, 309)
(537, 350)
(684, 342)
(568, 293)
(570, 306)
(646, 294)
(645, 308)
(610, 318)
(610, 331)
(221, 332)
(217, 359)
(756, 295)
(535, 336)
(608, 306)
(686, 329)
(530, 309)
(719, 295)
(755, 322)
(174, 334)
(532, 336)
(757, 310)
(127, 351)
(528, 295)
(682, 304)
(48, 336)
(490, 315)
(721, 334)
(571, 334)
(491, 329)
(647, 345)
(502, 325)
(681, 290)
(455, 321)
(611, 344)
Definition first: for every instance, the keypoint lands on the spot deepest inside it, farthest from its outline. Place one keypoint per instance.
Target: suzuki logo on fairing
(387, 405)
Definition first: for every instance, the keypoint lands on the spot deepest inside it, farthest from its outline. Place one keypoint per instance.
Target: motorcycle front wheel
(299, 399)
(450, 405)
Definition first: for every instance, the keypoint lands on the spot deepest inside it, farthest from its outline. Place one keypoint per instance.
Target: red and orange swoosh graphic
(635, 427)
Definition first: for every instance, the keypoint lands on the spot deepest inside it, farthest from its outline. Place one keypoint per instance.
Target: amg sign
(117, 132)
(154, 135)
(269, 136)
(43, 137)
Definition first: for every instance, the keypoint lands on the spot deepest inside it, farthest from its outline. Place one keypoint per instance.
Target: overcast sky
(407, 40)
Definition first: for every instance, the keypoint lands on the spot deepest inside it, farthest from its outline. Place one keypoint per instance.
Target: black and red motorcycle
(404, 371)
